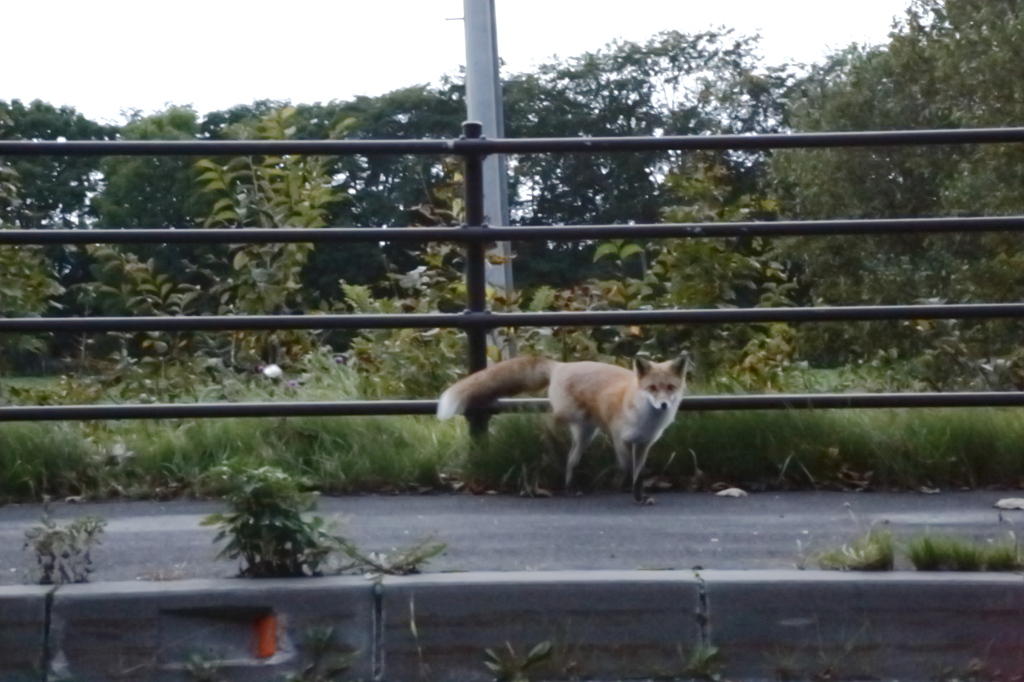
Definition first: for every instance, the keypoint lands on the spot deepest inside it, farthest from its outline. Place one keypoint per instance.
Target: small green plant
(946, 553)
(872, 552)
(1004, 556)
(63, 553)
(508, 666)
(399, 562)
(201, 668)
(325, 664)
(703, 663)
(265, 529)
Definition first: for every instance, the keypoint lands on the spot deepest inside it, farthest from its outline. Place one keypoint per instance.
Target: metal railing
(476, 320)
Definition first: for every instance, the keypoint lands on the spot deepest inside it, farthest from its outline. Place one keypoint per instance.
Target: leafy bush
(265, 528)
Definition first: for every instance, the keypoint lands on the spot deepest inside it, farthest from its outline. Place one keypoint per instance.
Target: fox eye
(671, 388)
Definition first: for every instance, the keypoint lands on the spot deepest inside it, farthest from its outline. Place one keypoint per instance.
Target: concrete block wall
(245, 630)
(600, 624)
(907, 626)
(610, 624)
(23, 632)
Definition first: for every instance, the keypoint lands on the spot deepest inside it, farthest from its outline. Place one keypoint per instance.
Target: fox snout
(661, 402)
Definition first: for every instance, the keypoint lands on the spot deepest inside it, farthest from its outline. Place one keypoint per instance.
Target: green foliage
(28, 281)
(325, 663)
(509, 666)
(411, 363)
(265, 528)
(148, 365)
(28, 288)
(48, 459)
(674, 84)
(405, 561)
(153, 192)
(873, 551)
(269, 192)
(63, 553)
(704, 663)
(933, 552)
(947, 65)
(55, 191)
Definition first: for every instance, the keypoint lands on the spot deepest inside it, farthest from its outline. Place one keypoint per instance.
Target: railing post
(476, 283)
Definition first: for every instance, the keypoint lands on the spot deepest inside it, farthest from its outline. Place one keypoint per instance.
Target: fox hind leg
(583, 433)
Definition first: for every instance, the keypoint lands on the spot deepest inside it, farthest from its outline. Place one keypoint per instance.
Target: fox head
(662, 383)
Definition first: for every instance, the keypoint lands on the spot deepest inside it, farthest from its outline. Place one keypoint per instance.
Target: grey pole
(484, 104)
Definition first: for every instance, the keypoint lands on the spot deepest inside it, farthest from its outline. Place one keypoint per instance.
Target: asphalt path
(164, 540)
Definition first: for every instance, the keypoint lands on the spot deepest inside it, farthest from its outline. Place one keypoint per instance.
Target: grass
(856, 448)
(947, 553)
(873, 551)
(824, 449)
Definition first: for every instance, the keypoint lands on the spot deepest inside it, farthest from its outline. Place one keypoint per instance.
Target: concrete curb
(894, 625)
(23, 628)
(600, 624)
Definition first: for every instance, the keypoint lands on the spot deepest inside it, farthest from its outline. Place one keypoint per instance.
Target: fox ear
(641, 365)
(681, 364)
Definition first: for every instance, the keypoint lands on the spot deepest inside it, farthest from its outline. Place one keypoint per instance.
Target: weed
(200, 668)
(1004, 556)
(703, 663)
(508, 666)
(399, 562)
(873, 551)
(265, 528)
(946, 553)
(325, 664)
(63, 553)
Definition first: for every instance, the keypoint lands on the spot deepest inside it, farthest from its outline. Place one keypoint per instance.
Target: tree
(28, 284)
(948, 64)
(55, 191)
(674, 84)
(269, 192)
(153, 192)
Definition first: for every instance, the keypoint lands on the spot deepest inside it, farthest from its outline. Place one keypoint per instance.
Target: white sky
(108, 56)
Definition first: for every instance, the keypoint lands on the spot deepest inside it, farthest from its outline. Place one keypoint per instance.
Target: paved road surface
(163, 540)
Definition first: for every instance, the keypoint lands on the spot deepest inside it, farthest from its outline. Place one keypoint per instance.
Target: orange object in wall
(265, 631)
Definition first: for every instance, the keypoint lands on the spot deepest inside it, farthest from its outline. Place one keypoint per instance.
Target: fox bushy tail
(507, 378)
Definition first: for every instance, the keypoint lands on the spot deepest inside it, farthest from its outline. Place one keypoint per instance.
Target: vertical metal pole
(476, 283)
(484, 104)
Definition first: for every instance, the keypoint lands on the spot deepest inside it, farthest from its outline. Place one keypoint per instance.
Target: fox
(633, 407)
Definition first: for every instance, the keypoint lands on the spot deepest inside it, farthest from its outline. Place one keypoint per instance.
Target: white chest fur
(647, 421)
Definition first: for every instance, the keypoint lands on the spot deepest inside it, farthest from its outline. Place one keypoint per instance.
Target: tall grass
(889, 448)
(333, 454)
(970, 447)
(39, 459)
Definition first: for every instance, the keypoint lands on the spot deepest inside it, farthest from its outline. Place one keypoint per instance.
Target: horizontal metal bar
(507, 145)
(548, 233)
(697, 403)
(208, 410)
(34, 325)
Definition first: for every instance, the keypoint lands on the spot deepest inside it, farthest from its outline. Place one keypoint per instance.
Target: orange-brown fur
(633, 407)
